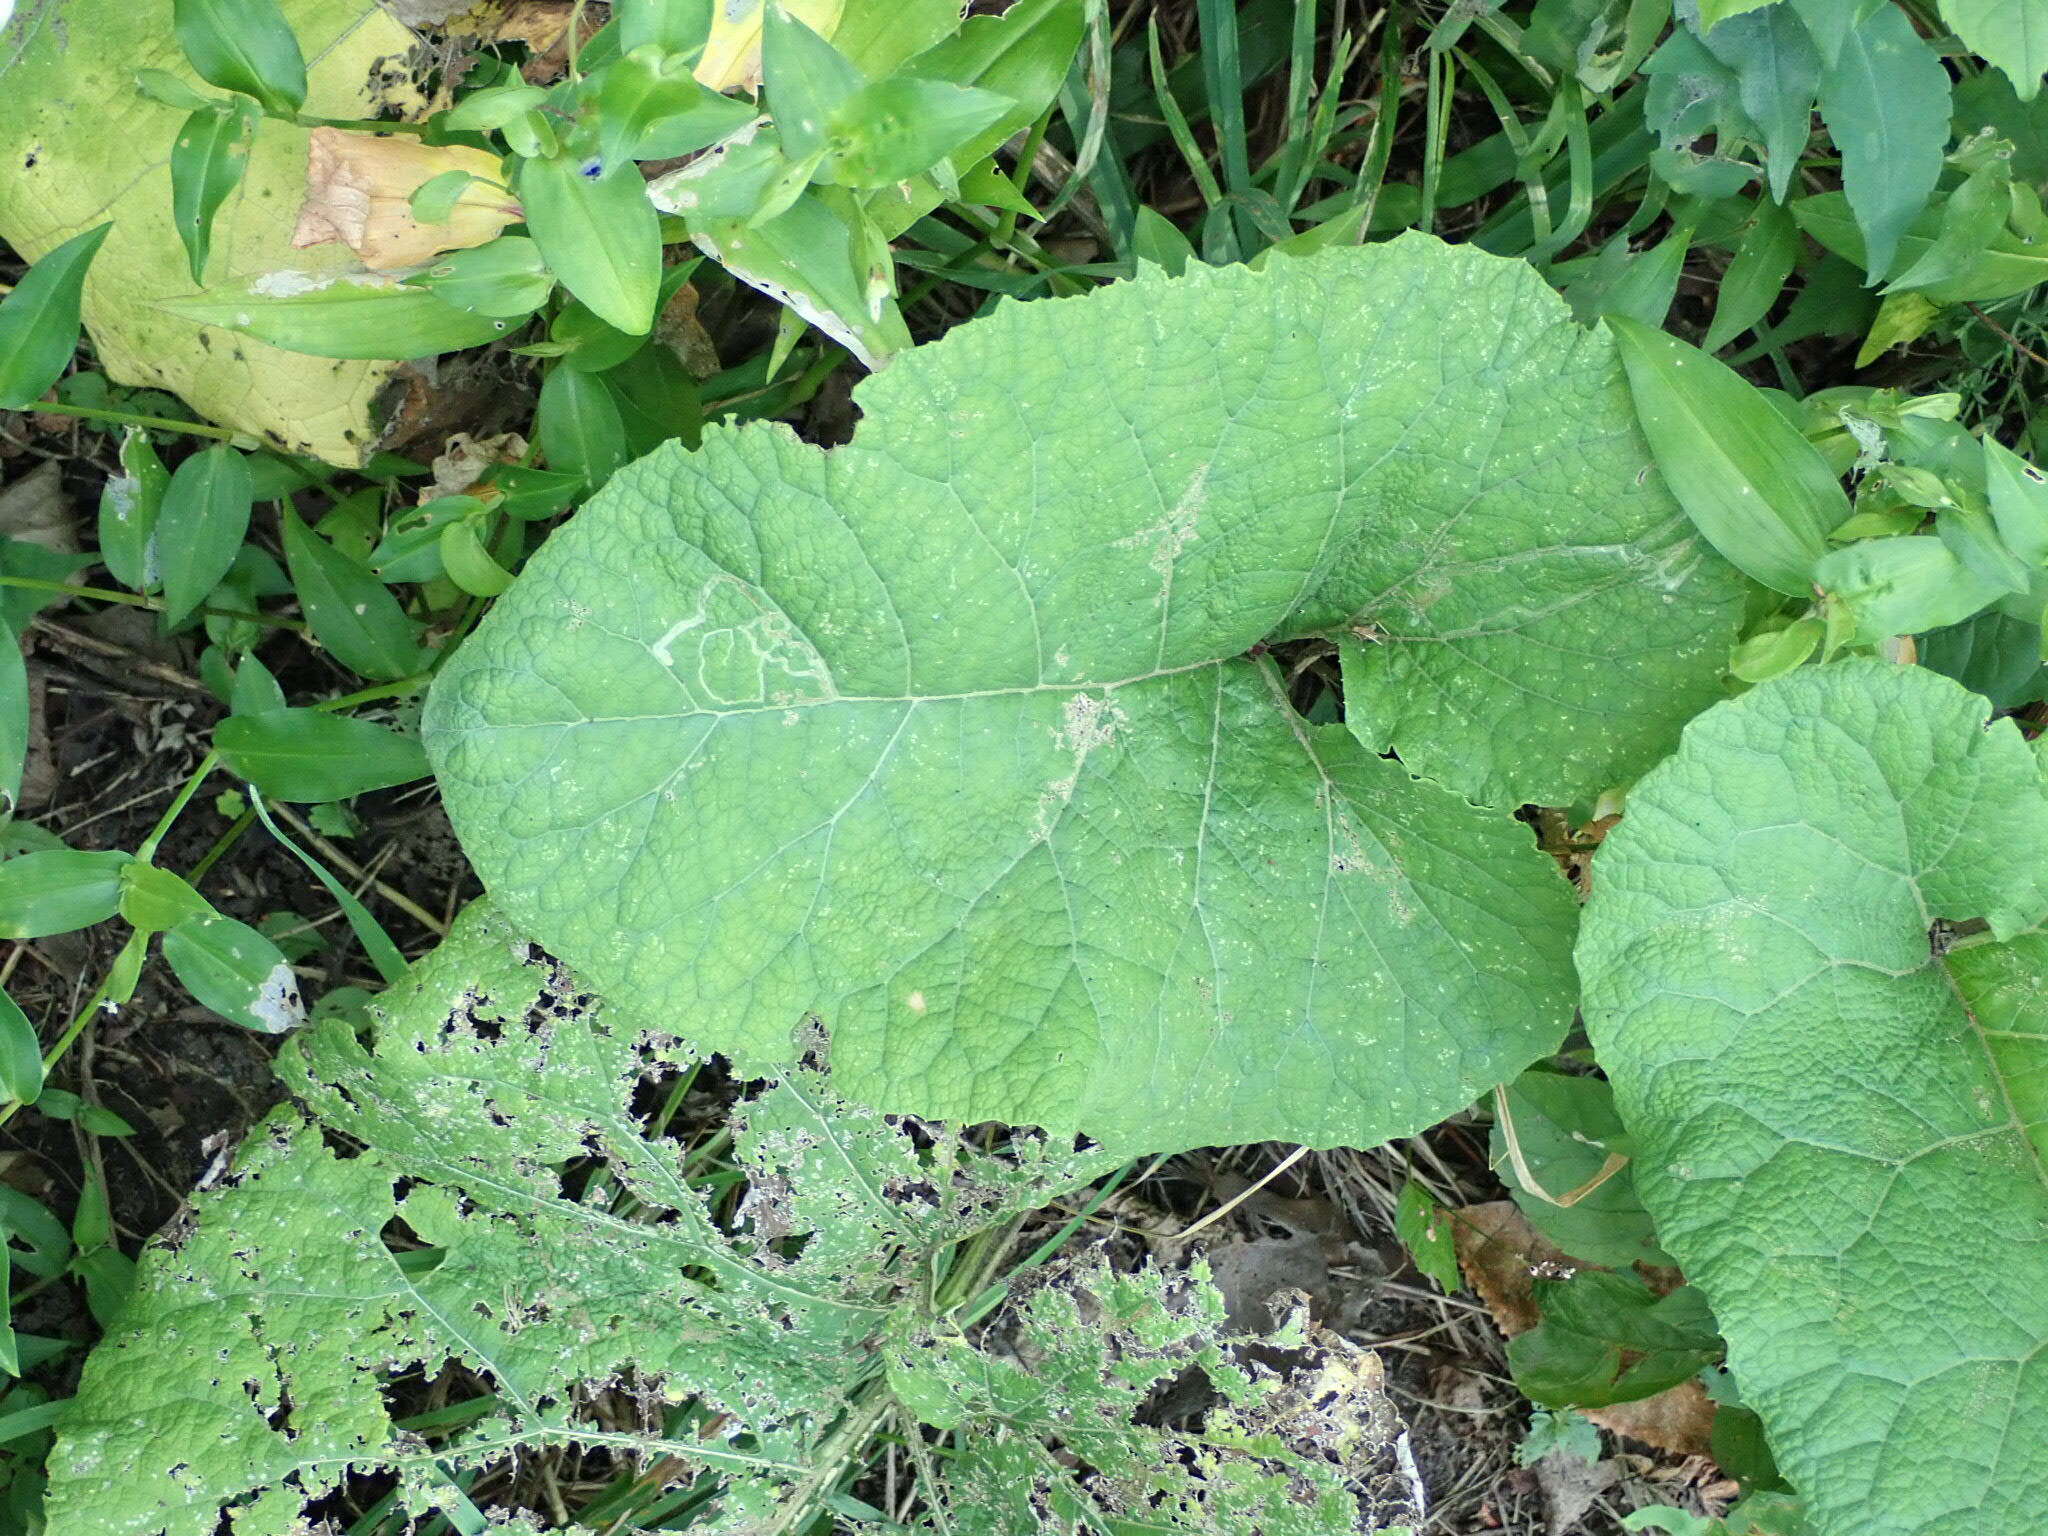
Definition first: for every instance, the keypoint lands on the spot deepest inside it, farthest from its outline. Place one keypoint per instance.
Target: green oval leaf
(1567, 1131)
(899, 128)
(205, 517)
(950, 736)
(1885, 100)
(578, 426)
(1425, 1228)
(154, 899)
(1775, 652)
(822, 267)
(651, 107)
(493, 107)
(58, 890)
(433, 200)
(2009, 266)
(308, 754)
(1757, 275)
(1758, 490)
(469, 564)
(21, 1054)
(1903, 586)
(806, 81)
(2019, 502)
(1842, 1122)
(599, 234)
(1779, 69)
(207, 161)
(246, 46)
(2013, 34)
(411, 548)
(39, 320)
(237, 972)
(162, 86)
(129, 507)
(347, 315)
(504, 278)
(353, 614)
(679, 26)
(255, 690)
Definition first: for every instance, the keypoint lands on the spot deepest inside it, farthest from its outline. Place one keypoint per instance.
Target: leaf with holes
(1840, 1108)
(266, 1336)
(951, 739)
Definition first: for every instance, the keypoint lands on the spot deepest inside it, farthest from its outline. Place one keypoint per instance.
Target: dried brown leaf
(1500, 1253)
(359, 188)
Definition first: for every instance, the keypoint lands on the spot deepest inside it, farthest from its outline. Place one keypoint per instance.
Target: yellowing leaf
(732, 57)
(359, 188)
(84, 146)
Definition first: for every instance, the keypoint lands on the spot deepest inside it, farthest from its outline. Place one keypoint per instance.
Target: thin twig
(355, 871)
(1243, 1195)
(2010, 340)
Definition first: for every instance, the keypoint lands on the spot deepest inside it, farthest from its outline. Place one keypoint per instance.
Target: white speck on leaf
(287, 284)
(276, 1004)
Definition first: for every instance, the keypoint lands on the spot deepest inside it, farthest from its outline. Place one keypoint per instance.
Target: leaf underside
(1841, 1122)
(950, 738)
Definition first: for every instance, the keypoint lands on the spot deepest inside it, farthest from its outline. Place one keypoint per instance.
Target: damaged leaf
(502, 1206)
(1503, 1256)
(359, 192)
(1310, 1453)
(237, 972)
(489, 1072)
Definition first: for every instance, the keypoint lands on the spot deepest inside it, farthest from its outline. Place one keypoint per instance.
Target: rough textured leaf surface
(1841, 1123)
(548, 1244)
(949, 737)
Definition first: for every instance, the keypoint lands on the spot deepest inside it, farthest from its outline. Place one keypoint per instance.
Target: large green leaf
(949, 737)
(549, 1242)
(1841, 1127)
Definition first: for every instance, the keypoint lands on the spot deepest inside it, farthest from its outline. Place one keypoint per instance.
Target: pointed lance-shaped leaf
(1758, 490)
(39, 319)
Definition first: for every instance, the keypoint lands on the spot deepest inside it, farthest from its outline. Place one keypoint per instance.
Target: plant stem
(131, 419)
(222, 844)
(361, 124)
(838, 1448)
(153, 604)
(150, 844)
(2010, 340)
